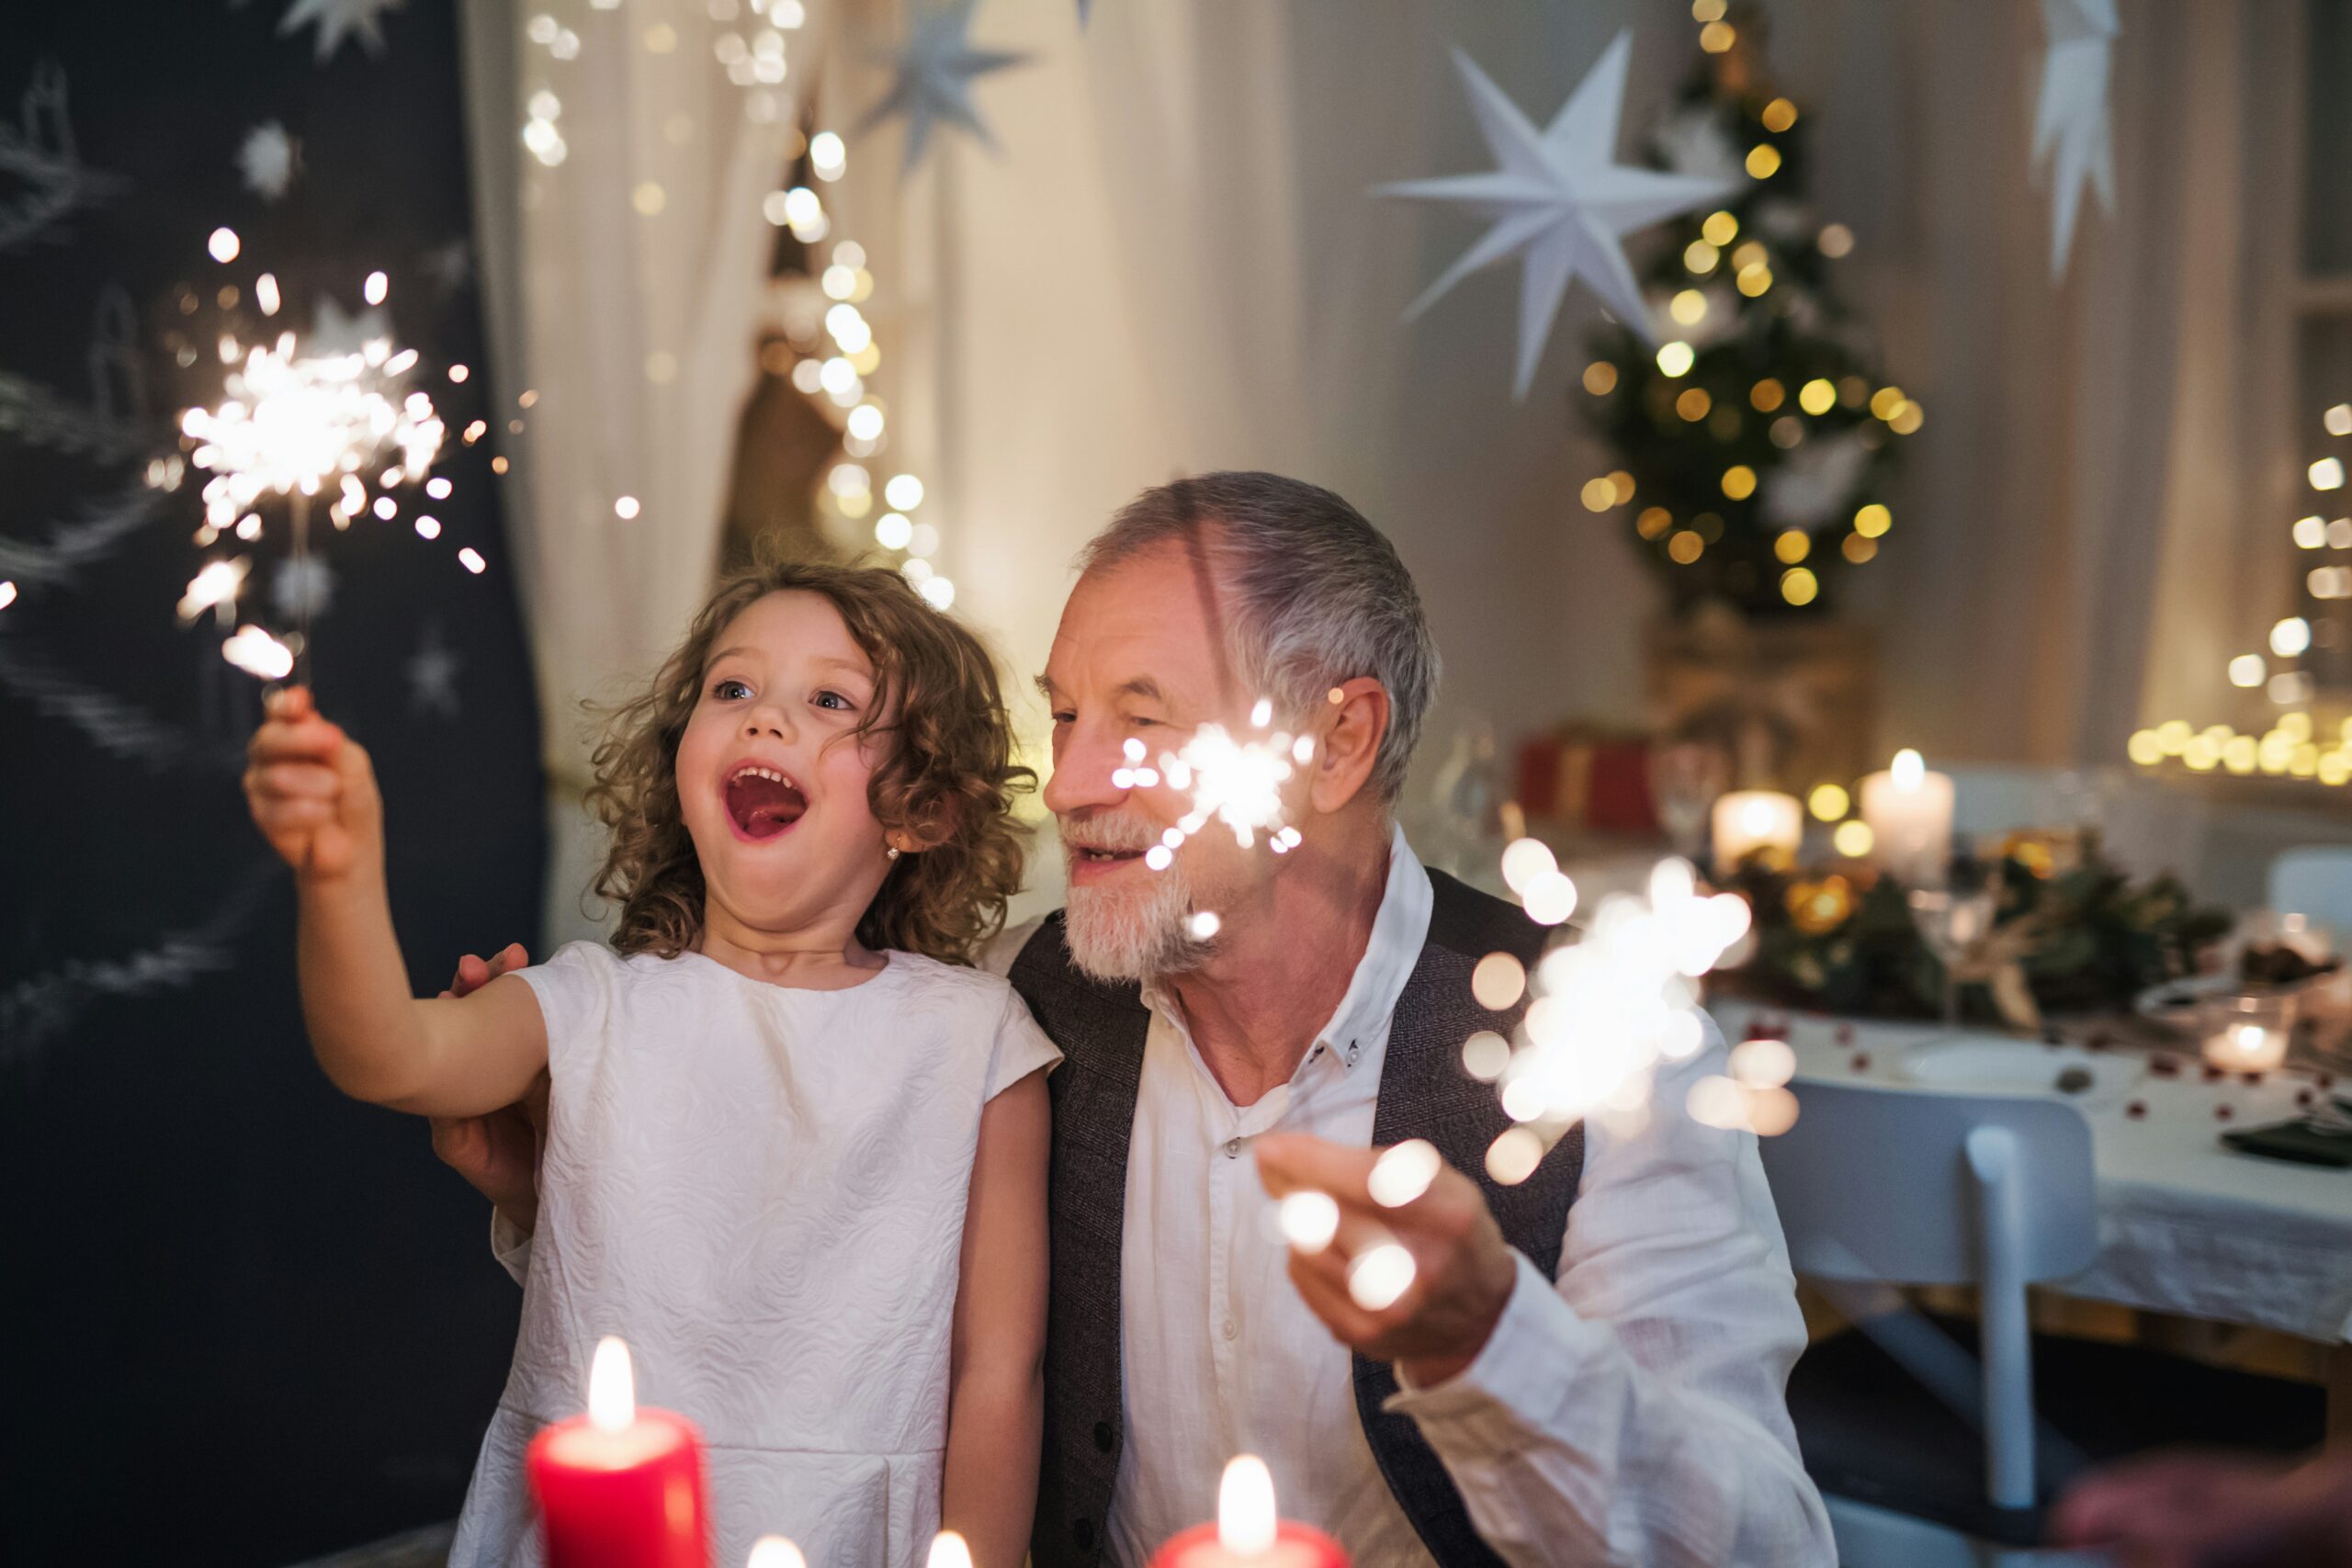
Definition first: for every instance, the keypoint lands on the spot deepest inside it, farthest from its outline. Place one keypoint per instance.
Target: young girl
(795, 1152)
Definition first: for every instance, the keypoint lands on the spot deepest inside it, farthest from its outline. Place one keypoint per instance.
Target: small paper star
(1816, 481)
(1694, 142)
(2070, 120)
(1558, 200)
(451, 265)
(335, 331)
(267, 159)
(337, 19)
(302, 588)
(432, 673)
(935, 75)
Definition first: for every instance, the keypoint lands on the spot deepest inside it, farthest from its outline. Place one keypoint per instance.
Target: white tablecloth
(2187, 1226)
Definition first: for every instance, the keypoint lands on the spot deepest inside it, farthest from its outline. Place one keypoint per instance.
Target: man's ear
(1354, 722)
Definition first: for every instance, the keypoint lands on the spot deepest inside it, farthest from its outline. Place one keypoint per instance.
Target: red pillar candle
(1248, 1533)
(620, 1487)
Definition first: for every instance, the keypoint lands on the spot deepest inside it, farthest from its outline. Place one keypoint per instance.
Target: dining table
(2188, 1226)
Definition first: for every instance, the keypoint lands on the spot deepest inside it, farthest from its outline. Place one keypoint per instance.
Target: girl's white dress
(763, 1190)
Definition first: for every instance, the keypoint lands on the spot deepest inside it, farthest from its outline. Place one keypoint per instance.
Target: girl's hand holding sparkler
(313, 793)
(313, 790)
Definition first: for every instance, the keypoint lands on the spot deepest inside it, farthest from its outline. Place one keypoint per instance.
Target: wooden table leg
(2339, 1395)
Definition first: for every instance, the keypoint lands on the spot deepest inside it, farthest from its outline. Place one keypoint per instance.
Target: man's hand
(2206, 1511)
(1463, 1271)
(499, 1154)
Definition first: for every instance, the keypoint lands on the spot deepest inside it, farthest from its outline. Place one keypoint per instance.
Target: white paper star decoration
(2071, 139)
(1559, 200)
(933, 77)
(339, 19)
(432, 673)
(265, 160)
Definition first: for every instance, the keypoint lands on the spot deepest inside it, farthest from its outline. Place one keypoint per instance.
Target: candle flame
(775, 1551)
(612, 1390)
(948, 1551)
(1909, 770)
(1245, 1507)
(2252, 1037)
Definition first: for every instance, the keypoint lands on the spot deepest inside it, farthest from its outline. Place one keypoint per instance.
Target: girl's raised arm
(313, 793)
(996, 1409)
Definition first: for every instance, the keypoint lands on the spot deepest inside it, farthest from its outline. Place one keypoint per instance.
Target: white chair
(1929, 1450)
(2315, 882)
(1878, 1185)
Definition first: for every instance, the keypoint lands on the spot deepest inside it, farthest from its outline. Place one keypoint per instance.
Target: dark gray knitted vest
(1424, 1093)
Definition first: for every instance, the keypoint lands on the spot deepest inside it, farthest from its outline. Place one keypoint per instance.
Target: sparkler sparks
(1608, 1011)
(256, 652)
(292, 423)
(216, 588)
(1237, 782)
(295, 421)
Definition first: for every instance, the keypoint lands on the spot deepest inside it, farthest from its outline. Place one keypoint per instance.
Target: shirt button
(1082, 1532)
(1103, 1436)
(1233, 1148)
(1232, 1329)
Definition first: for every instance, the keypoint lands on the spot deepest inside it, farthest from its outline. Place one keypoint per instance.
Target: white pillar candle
(1749, 820)
(1908, 810)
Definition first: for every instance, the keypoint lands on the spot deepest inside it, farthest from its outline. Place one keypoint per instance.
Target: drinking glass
(1951, 921)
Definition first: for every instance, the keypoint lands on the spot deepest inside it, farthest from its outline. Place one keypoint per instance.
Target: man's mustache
(1110, 831)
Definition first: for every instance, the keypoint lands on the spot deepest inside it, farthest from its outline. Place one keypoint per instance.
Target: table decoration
(2087, 938)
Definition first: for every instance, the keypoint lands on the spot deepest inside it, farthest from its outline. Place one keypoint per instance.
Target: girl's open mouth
(761, 802)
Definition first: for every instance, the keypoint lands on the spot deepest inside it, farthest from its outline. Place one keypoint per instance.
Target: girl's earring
(891, 851)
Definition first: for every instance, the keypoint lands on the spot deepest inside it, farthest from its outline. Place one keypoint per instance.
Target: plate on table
(2022, 1067)
(2176, 1001)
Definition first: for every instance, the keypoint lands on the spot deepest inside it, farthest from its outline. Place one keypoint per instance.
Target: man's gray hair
(1311, 595)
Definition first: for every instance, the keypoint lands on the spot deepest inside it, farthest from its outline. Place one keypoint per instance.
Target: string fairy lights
(2296, 743)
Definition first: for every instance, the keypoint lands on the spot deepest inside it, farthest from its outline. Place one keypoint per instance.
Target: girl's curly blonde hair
(949, 778)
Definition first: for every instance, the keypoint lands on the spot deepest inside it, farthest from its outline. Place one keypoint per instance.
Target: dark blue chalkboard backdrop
(243, 1321)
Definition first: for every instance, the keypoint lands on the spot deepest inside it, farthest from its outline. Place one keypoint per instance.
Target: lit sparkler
(290, 424)
(1237, 782)
(293, 423)
(1610, 1009)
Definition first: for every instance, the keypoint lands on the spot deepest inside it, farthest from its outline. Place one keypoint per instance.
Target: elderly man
(1587, 1365)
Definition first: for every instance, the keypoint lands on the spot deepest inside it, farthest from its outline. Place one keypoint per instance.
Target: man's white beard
(1133, 932)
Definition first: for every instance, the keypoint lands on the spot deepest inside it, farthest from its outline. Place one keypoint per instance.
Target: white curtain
(2089, 533)
(624, 286)
(1174, 265)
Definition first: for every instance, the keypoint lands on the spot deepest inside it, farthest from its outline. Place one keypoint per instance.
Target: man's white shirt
(1632, 1411)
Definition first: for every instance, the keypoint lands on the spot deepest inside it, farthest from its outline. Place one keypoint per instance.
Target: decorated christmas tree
(1755, 443)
